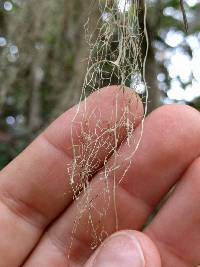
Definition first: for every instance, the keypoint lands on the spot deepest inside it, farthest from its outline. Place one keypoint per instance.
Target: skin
(37, 210)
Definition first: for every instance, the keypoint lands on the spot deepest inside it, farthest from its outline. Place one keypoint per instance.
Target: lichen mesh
(115, 58)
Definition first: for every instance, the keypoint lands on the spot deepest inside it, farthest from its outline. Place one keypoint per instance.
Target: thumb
(126, 249)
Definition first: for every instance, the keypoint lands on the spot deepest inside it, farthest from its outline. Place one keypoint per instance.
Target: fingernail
(121, 250)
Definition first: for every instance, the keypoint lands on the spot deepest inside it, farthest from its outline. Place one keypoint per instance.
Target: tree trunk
(154, 99)
(151, 66)
(76, 37)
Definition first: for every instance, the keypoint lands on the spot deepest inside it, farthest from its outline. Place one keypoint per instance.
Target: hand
(37, 211)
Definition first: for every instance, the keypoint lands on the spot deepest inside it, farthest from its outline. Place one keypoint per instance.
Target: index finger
(35, 188)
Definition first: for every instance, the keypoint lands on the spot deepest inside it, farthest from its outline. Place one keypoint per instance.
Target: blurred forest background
(43, 57)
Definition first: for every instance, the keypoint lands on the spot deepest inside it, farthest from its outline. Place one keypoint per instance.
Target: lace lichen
(115, 58)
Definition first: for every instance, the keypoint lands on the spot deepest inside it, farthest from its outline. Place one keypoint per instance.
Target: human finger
(35, 187)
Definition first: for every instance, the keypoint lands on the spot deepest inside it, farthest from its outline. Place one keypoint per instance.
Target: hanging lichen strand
(114, 59)
(115, 46)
